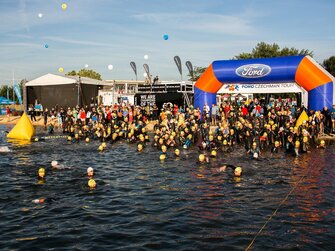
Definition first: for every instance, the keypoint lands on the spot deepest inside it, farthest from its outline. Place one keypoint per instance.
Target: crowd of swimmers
(213, 131)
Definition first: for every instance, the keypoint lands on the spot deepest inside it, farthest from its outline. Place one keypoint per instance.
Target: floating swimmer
(4, 149)
(90, 172)
(54, 164)
(42, 200)
(236, 169)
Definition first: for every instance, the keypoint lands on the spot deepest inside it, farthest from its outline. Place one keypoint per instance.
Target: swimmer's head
(100, 148)
(201, 157)
(69, 138)
(177, 152)
(254, 144)
(225, 142)
(139, 147)
(277, 144)
(54, 163)
(238, 171)
(41, 172)
(164, 149)
(87, 140)
(103, 144)
(322, 143)
(90, 171)
(162, 157)
(305, 139)
(91, 183)
(213, 153)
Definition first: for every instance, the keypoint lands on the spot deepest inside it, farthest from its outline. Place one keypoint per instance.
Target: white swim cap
(90, 169)
(255, 155)
(54, 163)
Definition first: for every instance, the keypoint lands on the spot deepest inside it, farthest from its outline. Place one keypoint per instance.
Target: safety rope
(274, 213)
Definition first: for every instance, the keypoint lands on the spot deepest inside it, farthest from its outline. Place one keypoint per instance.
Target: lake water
(141, 203)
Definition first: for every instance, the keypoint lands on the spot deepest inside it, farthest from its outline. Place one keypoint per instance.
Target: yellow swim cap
(91, 183)
(177, 152)
(322, 142)
(297, 143)
(41, 172)
(162, 157)
(201, 157)
(139, 147)
(69, 138)
(213, 153)
(103, 144)
(238, 171)
(277, 143)
(87, 140)
(100, 148)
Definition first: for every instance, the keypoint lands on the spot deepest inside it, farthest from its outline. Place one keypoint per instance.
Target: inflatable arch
(302, 69)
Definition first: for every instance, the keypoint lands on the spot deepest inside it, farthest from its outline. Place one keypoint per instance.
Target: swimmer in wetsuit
(236, 169)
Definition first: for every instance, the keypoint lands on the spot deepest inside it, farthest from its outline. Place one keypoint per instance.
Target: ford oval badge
(253, 70)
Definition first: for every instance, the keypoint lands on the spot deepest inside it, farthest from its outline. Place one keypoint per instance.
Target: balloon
(166, 37)
(86, 65)
(145, 75)
(40, 15)
(110, 67)
(46, 46)
(146, 57)
(61, 69)
(64, 6)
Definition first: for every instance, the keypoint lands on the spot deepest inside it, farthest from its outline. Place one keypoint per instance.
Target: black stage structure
(67, 91)
(179, 93)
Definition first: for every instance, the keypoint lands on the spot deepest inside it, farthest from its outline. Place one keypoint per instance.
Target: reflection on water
(142, 203)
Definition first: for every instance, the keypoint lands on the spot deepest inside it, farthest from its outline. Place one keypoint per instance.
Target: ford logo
(253, 70)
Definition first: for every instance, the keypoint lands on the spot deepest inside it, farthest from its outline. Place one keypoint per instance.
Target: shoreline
(40, 121)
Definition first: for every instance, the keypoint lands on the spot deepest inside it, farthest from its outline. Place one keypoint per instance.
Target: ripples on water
(142, 203)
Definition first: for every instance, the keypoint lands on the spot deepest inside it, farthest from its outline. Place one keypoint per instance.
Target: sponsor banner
(261, 88)
(18, 93)
(178, 63)
(133, 66)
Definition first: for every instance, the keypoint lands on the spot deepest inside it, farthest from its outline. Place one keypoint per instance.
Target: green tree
(264, 50)
(329, 65)
(197, 72)
(85, 73)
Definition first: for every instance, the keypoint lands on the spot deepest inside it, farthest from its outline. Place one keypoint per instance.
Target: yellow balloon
(61, 69)
(64, 6)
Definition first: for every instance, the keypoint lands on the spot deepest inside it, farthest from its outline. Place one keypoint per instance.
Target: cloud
(204, 22)
(73, 41)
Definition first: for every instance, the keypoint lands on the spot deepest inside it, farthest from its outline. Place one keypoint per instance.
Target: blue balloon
(46, 46)
(166, 37)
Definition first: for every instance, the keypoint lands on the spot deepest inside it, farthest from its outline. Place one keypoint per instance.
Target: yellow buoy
(23, 129)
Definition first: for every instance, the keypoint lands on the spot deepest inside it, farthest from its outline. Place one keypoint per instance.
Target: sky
(99, 33)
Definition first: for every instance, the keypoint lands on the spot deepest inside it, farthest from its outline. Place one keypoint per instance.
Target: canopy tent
(53, 90)
(5, 101)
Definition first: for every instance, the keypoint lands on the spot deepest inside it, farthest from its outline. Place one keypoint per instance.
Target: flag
(146, 68)
(190, 68)
(303, 116)
(133, 66)
(18, 93)
(178, 63)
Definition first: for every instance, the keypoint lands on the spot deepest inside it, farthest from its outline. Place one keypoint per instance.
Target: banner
(178, 63)
(133, 66)
(18, 93)
(190, 68)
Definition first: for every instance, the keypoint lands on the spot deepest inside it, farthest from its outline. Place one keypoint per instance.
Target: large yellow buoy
(23, 129)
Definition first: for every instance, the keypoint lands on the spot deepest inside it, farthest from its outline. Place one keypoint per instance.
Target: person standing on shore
(31, 111)
(7, 113)
(45, 115)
